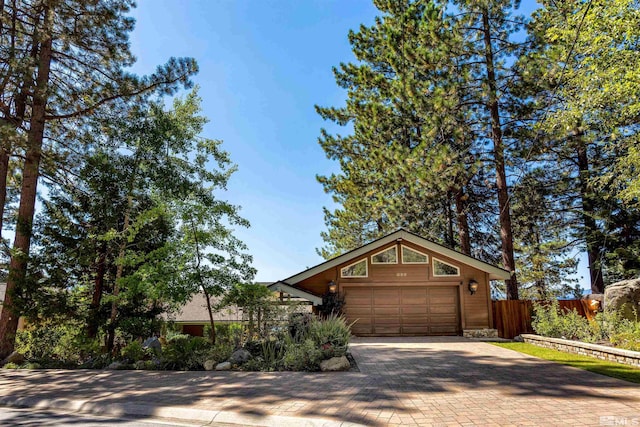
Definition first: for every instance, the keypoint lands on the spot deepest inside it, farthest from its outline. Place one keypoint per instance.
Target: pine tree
(409, 160)
(584, 120)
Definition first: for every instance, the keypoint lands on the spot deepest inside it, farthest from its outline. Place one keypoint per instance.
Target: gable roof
(495, 273)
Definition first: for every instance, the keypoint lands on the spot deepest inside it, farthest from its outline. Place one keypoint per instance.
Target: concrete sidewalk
(407, 381)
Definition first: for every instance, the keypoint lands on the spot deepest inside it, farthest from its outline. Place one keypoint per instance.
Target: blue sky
(263, 67)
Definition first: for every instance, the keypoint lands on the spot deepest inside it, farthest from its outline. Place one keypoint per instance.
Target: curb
(169, 412)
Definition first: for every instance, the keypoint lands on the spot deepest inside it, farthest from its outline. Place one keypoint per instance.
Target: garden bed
(602, 352)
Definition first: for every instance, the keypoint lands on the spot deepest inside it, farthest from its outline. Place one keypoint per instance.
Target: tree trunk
(122, 249)
(449, 214)
(204, 290)
(18, 266)
(588, 218)
(207, 297)
(98, 287)
(506, 230)
(15, 120)
(463, 222)
(5, 154)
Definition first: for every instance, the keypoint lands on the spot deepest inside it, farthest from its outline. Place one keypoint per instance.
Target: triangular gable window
(441, 268)
(387, 256)
(411, 256)
(357, 269)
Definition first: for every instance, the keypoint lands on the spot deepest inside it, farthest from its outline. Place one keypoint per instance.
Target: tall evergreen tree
(585, 121)
(429, 94)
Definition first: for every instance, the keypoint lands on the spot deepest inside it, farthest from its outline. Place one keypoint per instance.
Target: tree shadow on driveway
(394, 379)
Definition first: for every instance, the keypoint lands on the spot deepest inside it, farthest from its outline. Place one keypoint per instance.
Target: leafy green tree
(213, 259)
(80, 53)
(256, 300)
(138, 228)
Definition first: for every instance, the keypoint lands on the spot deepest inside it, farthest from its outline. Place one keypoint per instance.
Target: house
(193, 316)
(403, 284)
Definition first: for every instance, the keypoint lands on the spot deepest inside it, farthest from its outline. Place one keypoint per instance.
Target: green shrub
(331, 335)
(627, 340)
(226, 332)
(11, 365)
(550, 321)
(299, 324)
(184, 353)
(305, 356)
(272, 354)
(133, 352)
(57, 345)
(219, 352)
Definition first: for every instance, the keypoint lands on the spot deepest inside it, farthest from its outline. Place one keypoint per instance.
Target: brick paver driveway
(407, 381)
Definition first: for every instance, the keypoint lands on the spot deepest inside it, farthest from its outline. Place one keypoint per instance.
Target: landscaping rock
(623, 297)
(224, 366)
(140, 365)
(240, 356)
(210, 365)
(14, 357)
(115, 366)
(335, 364)
(518, 338)
(154, 344)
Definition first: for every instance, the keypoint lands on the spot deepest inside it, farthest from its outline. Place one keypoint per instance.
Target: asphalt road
(14, 417)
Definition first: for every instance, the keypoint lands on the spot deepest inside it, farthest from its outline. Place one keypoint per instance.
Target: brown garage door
(402, 310)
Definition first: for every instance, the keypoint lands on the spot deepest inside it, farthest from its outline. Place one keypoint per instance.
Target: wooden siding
(474, 312)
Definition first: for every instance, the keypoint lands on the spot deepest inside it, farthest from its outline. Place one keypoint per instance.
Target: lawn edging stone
(602, 352)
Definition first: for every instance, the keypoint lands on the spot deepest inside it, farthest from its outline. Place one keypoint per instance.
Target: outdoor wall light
(473, 286)
(332, 287)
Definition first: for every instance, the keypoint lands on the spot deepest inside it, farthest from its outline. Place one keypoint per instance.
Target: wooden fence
(513, 317)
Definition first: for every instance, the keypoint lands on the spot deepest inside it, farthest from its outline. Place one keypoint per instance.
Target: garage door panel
(413, 301)
(441, 300)
(414, 292)
(357, 301)
(442, 320)
(387, 330)
(387, 320)
(401, 310)
(415, 309)
(416, 330)
(444, 329)
(357, 311)
(378, 311)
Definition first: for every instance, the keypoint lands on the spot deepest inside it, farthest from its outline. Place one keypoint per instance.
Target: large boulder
(335, 364)
(153, 343)
(224, 366)
(623, 297)
(14, 357)
(240, 357)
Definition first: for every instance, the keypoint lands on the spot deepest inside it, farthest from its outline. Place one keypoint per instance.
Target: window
(411, 256)
(357, 269)
(441, 268)
(387, 256)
